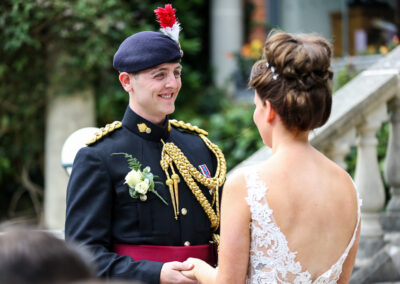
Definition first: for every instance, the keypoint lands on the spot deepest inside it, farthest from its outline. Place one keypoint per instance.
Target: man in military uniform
(132, 233)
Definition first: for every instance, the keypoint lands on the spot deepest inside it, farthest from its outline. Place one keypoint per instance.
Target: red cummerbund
(168, 253)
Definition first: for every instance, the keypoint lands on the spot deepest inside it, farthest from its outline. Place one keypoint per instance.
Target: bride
(296, 217)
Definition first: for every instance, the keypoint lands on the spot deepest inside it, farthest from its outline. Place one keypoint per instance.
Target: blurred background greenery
(79, 39)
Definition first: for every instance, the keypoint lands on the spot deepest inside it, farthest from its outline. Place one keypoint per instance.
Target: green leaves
(133, 163)
(133, 193)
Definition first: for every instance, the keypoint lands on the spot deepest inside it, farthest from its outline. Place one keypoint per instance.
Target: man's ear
(125, 80)
(271, 114)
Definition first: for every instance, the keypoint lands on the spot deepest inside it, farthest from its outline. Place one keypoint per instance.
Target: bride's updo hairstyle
(294, 76)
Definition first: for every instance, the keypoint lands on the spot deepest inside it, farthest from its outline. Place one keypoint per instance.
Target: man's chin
(169, 111)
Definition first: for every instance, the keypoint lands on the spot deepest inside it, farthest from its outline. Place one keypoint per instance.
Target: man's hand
(196, 263)
(201, 271)
(171, 273)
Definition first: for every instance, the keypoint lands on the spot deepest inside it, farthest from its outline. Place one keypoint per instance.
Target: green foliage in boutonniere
(140, 182)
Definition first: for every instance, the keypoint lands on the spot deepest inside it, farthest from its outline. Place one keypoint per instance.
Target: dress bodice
(271, 261)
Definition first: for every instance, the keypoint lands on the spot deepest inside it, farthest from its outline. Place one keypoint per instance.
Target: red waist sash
(168, 253)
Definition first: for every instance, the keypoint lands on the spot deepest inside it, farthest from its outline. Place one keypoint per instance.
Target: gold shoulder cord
(104, 131)
(171, 155)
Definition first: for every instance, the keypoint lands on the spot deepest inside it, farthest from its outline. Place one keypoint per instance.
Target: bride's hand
(192, 273)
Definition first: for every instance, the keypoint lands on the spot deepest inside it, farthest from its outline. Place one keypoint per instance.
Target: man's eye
(177, 74)
(159, 75)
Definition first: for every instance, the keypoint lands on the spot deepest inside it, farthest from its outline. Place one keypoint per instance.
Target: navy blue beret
(145, 50)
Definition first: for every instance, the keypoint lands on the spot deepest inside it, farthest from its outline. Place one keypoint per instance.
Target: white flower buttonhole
(140, 182)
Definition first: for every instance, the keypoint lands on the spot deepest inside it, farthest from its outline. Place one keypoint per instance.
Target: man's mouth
(166, 96)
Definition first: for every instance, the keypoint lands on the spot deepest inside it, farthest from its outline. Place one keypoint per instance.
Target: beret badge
(169, 23)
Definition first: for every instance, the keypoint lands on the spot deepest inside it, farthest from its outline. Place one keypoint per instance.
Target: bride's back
(314, 216)
(314, 204)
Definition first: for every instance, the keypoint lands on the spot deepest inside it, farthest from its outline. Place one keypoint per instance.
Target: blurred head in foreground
(32, 256)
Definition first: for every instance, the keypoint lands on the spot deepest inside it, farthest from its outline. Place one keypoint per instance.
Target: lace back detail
(271, 260)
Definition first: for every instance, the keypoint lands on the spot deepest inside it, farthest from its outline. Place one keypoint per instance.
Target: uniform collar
(145, 128)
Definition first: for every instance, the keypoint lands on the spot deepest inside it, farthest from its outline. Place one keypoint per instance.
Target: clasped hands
(196, 265)
(182, 272)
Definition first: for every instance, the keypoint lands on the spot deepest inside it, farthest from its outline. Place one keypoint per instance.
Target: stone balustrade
(392, 168)
(360, 108)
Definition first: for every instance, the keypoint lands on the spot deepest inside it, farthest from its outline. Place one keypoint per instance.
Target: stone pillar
(391, 222)
(65, 114)
(369, 183)
(226, 38)
(341, 147)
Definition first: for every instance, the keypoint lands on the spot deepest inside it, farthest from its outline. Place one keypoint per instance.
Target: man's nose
(172, 81)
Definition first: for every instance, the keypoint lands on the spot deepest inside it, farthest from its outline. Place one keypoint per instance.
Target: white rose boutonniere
(139, 182)
(133, 178)
(143, 186)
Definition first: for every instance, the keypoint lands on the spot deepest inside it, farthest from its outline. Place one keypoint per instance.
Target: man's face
(154, 91)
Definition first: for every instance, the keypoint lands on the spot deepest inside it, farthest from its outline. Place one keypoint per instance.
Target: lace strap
(359, 204)
(256, 189)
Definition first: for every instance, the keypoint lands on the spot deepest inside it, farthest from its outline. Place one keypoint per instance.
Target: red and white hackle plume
(168, 21)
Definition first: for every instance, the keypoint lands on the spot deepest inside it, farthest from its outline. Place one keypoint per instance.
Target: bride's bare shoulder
(236, 180)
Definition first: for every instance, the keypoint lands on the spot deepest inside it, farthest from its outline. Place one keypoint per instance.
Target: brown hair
(301, 92)
(38, 257)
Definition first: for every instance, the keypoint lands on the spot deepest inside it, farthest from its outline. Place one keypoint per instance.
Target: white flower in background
(133, 178)
(142, 187)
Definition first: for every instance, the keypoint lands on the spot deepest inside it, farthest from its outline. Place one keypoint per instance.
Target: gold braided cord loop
(220, 173)
(104, 131)
(172, 154)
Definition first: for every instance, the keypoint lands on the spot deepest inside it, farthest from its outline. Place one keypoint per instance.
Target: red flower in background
(166, 16)
(396, 39)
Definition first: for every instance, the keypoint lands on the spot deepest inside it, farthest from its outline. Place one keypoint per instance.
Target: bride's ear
(270, 112)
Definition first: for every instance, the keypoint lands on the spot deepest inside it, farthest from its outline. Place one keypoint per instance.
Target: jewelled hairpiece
(275, 76)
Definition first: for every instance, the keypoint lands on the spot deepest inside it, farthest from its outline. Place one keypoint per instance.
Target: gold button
(184, 211)
(143, 197)
(187, 243)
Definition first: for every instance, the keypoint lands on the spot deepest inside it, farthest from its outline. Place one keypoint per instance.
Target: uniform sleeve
(89, 217)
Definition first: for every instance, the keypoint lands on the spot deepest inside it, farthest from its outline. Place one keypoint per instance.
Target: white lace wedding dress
(271, 260)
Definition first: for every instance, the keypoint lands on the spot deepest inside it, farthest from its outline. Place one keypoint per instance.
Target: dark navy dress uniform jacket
(100, 211)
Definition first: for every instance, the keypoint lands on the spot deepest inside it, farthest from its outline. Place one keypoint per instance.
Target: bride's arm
(235, 237)
(235, 232)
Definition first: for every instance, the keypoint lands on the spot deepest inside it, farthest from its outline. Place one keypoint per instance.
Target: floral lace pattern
(271, 260)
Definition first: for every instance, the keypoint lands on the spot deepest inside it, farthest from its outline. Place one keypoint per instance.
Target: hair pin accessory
(275, 76)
